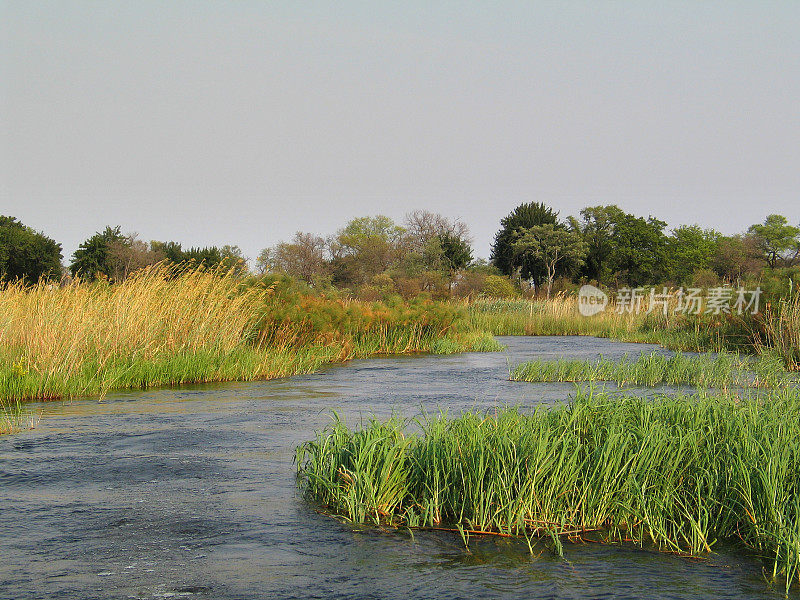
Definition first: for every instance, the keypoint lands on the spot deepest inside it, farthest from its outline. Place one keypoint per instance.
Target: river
(191, 493)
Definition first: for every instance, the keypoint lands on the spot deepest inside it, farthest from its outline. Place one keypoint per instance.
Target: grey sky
(214, 123)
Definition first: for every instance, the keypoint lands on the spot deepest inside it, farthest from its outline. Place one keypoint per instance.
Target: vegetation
(168, 325)
(26, 255)
(676, 473)
(704, 370)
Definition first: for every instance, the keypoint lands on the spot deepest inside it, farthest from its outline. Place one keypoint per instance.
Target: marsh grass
(722, 370)
(677, 473)
(173, 325)
(560, 316)
(781, 330)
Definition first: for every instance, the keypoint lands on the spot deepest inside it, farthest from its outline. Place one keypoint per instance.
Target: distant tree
(171, 251)
(737, 255)
(305, 257)
(128, 255)
(523, 216)
(112, 255)
(638, 255)
(25, 254)
(365, 247)
(456, 251)
(421, 226)
(92, 259)
(596, 228)
(689, 249)
(233, 259)
(556, 248)
(777, 239)
(621, 246)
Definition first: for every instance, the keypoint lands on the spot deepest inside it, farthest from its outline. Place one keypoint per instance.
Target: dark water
(190, 493)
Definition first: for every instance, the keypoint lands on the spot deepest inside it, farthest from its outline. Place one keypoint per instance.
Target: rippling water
(190, 493)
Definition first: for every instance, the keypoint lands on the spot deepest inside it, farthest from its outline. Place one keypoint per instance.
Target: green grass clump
(722, 370)
(677, 473)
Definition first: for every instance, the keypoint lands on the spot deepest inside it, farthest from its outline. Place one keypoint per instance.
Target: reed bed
(781, 330)
(560, 316)
(722, 370)
(673, 473)
(173, 325)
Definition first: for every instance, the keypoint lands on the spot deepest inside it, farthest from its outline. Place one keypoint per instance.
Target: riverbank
(167, 326)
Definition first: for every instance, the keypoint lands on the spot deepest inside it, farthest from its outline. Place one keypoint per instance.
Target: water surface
(190, 493)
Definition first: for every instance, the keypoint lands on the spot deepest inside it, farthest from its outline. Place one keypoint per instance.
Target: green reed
(675, 473)
(703, 370)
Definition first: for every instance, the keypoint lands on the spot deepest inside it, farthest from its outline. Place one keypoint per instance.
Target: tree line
(534, 250)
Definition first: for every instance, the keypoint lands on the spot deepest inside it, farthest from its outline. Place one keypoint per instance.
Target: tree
(456, 252)
(421, 226)
(112, 255)
(736, 256)
(305, 257)
(621, 246)
(365, 247)
(638, 253)
(557, 249)
(690, 249)
(777, 239)
(597, 229)
(92, 258)
(128, 255)
(25, 254)
(523, 216)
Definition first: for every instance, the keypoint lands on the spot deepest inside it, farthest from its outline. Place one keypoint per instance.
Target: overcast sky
(241, 123)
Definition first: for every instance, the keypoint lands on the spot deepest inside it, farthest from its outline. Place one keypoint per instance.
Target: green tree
(365, 247)
(689, 249)
(93, 258)
(596, 228)
(523, 216)
(638, 253)
(556, 248)
(25, 254)
(777, 239)
(456, 252)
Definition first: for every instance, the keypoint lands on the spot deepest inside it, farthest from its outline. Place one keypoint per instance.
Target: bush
(497, 286)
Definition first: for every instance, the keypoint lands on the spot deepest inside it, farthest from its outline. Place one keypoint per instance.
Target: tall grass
(677, 473)
(560, 316)
(781, 330)
(721, 371)
(171, 325)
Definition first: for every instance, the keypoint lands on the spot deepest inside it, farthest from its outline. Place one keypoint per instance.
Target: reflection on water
(190, 493)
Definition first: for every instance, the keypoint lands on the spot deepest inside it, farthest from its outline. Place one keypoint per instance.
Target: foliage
(497, 286)
(523, 216)
(26, 255)
(93, 259)
(689, 249)
(778, 240)
(557, 249)
(456, 252)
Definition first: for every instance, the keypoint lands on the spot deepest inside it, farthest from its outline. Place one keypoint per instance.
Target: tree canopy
(523, 216)
(26, 255)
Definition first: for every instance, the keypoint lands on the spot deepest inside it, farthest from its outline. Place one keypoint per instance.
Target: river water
(191, 493)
